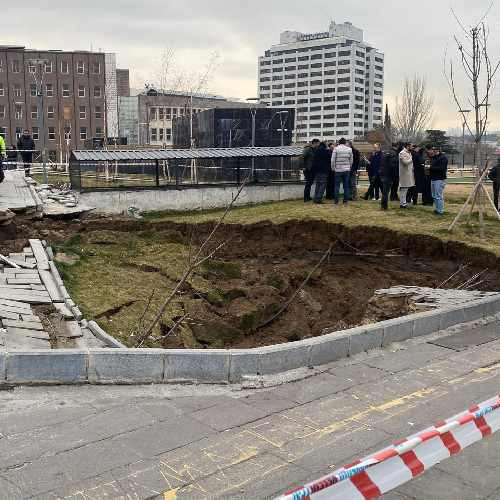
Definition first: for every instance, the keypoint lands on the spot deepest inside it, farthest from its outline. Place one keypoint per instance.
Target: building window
(161, 134)
(3, 132)
(98, 112)
(15, 66)
(33, 90)
(98, 132)
(168, 134)
(52, 134)
(17, 90)
(2, 90)
(35, 133)
(2, 111)
(19, 132)
(67, 133)
(49, 90)
(96, 68)
(18, 112)
(31, 68)
(83, 133)
(97, 91)
(152, 114)
(83, 113)
(65, 89)
(80, 68)
(53, 156)
(174, 111)
(169, 113)
(48, 67)
(34, 113)
(1, 66)
(64, 67)
(51, 112)
(161, 115)
(154, 135)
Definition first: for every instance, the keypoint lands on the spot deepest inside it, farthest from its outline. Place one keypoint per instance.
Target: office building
(60, 96)
(146, 119)
(123, 82)
(334, 80)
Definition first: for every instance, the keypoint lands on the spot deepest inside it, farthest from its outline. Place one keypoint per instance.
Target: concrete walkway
(15, 194)
(168, 442)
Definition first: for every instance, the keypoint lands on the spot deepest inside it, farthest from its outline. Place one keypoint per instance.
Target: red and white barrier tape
(386, 470)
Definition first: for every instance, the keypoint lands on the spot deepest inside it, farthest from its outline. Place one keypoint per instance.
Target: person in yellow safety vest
(3, 154)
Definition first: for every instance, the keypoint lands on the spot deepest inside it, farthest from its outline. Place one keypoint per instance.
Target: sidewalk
(193, 442)
(15, 194)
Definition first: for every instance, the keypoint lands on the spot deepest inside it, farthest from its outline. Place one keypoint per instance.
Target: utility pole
(463, 112)
(40, 63)
(253, 111)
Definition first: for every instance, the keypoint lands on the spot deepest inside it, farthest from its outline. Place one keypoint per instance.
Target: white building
(334, 80)
(111, 94)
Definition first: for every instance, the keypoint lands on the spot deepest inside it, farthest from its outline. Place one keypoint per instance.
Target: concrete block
(397, 330)
(77, 313)
(244, 363)
(3, 356)
(492, 305)
(451, 317)
(126, 366)
(197, 364)
(426, 323)
(103, 336)
(364, 338)
(474, 310)
(328, 349)
(284, 357)
(48, 366)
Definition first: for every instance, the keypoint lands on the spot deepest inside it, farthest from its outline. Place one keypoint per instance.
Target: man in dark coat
(438, 174)
(373, 170)
(389, 172)
(418, 172)
(494, 175)
(307, 165)
(353, 179)
(330, 183)
(321, 166)
(26, 145)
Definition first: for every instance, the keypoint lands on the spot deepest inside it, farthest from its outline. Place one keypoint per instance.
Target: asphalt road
(193, 442)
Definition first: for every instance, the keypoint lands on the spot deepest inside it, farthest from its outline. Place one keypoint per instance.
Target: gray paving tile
(267, 402)
(464, 340)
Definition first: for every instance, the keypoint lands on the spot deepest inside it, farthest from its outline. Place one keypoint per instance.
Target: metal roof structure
(185, 154)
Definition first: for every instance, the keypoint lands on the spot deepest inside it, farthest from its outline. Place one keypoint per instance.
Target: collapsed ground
(112, 267)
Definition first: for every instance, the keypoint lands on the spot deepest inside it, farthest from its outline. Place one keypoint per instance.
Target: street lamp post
(283, 123)
(253, 111)
(41, 115)
(463, 112)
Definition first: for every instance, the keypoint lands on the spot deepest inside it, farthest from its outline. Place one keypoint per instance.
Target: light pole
(253, 111)
(283, 123)
(463, 112)
(40, 63)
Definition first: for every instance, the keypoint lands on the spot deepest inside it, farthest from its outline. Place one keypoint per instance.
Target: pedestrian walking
(307, 159)
(438, 173)
(27, 146)
(342, 159)
(321, 167)
(389, 172)
(330, 183)
(373, 170)
(494, 175)
(406, 176)
(353, 178)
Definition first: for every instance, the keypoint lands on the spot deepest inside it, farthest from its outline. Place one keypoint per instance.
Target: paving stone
(359, 373)
(24, 281)
(26, 325)
(228, 415)
(16, 332)
(8, 314)
(40, 255)
(15, 305)
(267, 402)
(28, 296)
(51, 286)
(464, 340)
(191, 404)
(21, 343)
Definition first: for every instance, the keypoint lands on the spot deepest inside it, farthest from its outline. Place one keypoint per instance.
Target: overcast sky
(413, 36)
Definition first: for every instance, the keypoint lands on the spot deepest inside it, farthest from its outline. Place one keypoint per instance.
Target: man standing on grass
(353, 178)
(494, 175)
(342, 159)
(438, 173)
(307, 160)
(406, 177)
(389, 171)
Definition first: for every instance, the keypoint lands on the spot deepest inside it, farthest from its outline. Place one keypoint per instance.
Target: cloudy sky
(413, 35)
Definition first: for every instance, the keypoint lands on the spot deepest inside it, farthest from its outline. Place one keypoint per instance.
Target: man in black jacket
(494, 175)
(353, 179)
(389, 172)
(26, 145)
(321, 166)
(438, 174)
(307, 165)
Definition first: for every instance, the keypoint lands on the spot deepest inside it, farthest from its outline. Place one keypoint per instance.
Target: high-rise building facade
(123, 82)
(334, 80)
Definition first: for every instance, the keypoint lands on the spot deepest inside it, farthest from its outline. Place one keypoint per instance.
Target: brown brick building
(73, 89)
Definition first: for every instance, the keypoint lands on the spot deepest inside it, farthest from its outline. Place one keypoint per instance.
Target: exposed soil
(262, 266)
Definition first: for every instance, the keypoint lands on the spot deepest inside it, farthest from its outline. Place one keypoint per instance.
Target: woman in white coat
(406, 175)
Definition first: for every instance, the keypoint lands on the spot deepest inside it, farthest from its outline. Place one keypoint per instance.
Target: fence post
(157, 173)
(177, 169)
(238, 172)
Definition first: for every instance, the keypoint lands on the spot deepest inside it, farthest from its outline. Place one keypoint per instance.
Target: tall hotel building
(334, 80)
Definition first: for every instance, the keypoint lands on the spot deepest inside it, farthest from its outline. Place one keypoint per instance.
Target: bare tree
(414, 111)
(479, 74)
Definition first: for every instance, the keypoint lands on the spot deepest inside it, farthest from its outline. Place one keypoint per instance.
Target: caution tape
(405, 459)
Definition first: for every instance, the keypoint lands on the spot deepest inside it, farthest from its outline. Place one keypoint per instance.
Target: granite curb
(140, 366)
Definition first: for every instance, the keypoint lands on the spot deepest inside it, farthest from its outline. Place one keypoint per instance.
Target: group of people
(399, 173)
(25, 146)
